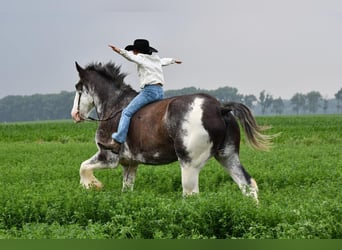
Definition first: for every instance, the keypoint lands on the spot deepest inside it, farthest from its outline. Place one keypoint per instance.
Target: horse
(189, 128)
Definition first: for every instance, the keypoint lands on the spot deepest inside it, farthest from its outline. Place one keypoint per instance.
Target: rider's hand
(114, 48)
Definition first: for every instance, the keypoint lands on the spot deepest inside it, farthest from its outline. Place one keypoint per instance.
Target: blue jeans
(150, 93)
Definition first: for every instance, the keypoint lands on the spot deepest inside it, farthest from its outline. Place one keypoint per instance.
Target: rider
(151, 77)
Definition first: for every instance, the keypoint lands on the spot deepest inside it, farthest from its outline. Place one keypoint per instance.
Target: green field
(299, 180)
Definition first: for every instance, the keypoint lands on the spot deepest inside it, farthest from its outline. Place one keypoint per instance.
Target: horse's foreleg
(229, 159)
(129, 173)
(87, 178)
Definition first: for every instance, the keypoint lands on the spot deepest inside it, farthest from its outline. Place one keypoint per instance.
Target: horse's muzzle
(76, 117)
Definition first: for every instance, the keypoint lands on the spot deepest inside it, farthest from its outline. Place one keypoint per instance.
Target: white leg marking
(251, 190)
(87, 178)
(190, 180)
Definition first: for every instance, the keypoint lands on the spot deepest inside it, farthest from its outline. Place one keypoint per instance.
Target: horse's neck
(116, 101)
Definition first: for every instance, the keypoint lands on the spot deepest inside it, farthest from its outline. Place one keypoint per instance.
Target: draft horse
(188, 128)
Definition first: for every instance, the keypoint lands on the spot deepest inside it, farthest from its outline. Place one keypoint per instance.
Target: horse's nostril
(76, 116)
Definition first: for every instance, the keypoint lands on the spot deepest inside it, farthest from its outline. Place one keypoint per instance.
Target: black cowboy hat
(142, 45)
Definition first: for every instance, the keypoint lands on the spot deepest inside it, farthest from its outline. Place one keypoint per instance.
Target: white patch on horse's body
(139, 157)
(196, 139)
(156, 155)
(129, 156)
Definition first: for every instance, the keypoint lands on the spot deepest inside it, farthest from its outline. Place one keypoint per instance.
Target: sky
(281, 46)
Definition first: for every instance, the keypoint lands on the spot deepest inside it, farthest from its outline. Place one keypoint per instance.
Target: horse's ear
(80, 70)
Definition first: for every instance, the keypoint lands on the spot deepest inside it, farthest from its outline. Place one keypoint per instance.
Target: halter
(89, 118)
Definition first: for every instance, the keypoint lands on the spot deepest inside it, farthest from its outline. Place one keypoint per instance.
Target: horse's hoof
(97, 185)
(93, 185)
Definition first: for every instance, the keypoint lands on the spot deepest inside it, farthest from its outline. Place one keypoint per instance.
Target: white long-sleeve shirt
(149, 66)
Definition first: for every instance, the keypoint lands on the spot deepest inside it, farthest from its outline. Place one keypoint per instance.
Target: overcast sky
(281, 46)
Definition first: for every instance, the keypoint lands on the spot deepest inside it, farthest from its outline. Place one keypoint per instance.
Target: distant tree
(265, 101)
(313, 101)
(325, 105)
(298, 102)
(278, 106)
(249, 100)
(184, 91)
(338, 97)
(36, 107)
(227, 94)
(224, 94)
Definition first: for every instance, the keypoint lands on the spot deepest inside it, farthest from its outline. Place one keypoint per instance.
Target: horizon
(204, 89)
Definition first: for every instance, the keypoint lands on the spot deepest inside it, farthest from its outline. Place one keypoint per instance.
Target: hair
(110, 71)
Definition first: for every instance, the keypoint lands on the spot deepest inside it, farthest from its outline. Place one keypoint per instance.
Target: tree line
(36, 107)
(309, 103)
(58, 106)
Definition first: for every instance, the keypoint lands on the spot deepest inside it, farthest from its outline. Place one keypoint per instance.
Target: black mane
(110, 71)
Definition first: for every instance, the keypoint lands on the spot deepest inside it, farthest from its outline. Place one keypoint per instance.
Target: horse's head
(99, 86)
(84, 97)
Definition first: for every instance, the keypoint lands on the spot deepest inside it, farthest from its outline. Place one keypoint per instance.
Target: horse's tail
(255, 137)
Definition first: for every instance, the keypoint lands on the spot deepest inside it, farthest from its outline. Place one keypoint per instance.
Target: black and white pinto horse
(188, 128)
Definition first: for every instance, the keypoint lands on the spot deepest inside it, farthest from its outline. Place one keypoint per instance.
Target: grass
(299, 182)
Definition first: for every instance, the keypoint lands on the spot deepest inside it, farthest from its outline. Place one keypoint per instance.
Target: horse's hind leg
(190, 180)
(100, 160)
(190, 175)
(229, 159)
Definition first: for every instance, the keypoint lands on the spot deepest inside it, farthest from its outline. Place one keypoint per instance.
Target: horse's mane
(110, 71)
